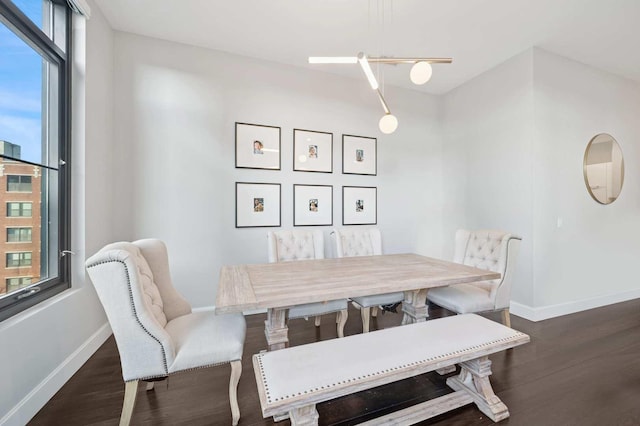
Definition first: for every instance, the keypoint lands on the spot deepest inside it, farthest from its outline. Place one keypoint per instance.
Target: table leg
(414, 306)
(275, 328)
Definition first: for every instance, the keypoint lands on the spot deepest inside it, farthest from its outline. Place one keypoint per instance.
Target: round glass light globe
(388, 124)
(421, 72)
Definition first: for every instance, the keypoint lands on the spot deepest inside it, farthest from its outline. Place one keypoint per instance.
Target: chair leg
(342, 320)
(236, 371)
(150, 386)
(506, 318)
(374, 311)
(364, 313)
(318, 321)
(130, 390)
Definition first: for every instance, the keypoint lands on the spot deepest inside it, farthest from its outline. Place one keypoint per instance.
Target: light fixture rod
(364, 64)
(385, 60)
(333, 60)
(383, 102)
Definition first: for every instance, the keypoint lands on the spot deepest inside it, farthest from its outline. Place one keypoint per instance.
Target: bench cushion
(328, 369)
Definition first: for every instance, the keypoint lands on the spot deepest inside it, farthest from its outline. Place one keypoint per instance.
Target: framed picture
(312, 205)
(257, 147)
(257, 204)
(359, 205)
(359, 155)
(312, 151)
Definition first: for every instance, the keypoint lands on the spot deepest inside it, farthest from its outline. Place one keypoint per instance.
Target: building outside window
(34, 145)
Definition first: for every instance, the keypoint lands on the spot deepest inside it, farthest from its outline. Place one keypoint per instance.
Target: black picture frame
(366, 195)
(247, 212)
(301, 156)
(302, 213)
(246, 135)
(359, 155)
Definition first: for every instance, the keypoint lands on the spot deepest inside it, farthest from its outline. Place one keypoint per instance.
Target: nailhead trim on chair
(133, 306)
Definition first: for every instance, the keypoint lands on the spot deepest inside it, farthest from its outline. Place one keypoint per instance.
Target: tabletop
(274, 285)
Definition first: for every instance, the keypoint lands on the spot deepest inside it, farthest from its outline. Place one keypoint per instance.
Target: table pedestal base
(275, 329)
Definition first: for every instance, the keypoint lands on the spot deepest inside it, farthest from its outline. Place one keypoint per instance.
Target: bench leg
(275, 329)
(304, 416)
(474, 379)
(414, 306)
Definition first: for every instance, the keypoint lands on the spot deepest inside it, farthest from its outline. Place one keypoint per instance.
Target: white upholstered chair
(285, 246)
(155, 330)
(491, 250)
(364, 242)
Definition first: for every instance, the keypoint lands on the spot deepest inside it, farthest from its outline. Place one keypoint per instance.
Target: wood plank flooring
(581, 369)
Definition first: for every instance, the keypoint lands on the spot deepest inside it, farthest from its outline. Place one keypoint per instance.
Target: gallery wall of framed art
(309, 189)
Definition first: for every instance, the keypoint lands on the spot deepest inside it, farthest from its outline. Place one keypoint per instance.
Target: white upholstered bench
(295, 379)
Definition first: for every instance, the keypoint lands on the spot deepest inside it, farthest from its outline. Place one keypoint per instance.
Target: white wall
(49, 342)
(488, 127)
(592, 258)
(177, 106)
(514, 146)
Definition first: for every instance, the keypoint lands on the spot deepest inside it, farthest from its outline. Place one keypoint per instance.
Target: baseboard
(41, 394)
(551, 311)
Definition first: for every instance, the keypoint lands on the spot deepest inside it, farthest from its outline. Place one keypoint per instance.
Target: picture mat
(302, 139)
(246, 134)
(369, 214)
(301, 214)
(245, 214)
(350, 144)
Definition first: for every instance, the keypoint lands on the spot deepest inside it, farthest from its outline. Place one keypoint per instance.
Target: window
(19, 209)
(16, 260)
(19, 183)
(18, 235)
(34, 144)
(16, 283)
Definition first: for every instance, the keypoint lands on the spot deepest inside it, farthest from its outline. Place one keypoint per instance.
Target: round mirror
(603, 168)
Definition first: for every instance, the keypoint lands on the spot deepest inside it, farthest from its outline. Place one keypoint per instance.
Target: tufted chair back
(133, 283)
(490, 250)
(284, 246)
(357, 242)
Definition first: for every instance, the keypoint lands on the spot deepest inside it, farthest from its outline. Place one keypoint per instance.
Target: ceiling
(478, 34)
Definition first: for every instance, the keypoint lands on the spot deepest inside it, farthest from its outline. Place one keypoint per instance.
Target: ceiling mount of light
(420, 73)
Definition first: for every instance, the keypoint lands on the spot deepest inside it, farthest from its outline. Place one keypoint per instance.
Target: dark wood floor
(580, 369)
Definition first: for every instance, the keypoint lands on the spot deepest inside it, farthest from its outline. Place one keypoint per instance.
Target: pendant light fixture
(421, 69)
(420, 73)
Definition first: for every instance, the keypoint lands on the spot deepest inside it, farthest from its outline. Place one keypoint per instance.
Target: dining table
(278, 286)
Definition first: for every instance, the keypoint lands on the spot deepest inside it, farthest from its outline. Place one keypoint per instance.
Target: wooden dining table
(278, 286)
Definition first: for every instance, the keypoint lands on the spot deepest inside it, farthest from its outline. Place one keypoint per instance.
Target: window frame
(21, 257)
(19, 231)
(20, 208)
(31, 34)
(20, 183)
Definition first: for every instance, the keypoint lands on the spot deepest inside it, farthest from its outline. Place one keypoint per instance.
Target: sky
(21, 87)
